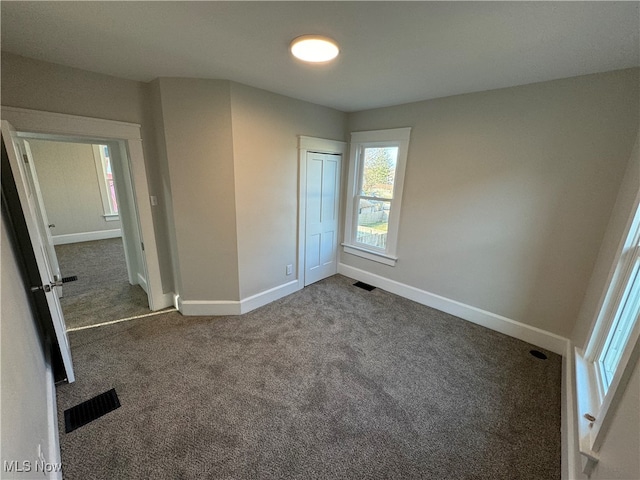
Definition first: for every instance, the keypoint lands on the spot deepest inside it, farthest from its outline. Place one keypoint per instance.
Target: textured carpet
(332, 382)
(102, 291)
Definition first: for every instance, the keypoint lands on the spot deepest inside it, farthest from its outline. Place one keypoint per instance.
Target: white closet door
(322, 210)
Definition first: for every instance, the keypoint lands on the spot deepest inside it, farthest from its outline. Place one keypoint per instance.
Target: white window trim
(370, 254)
(591, 397)
(109, 215)
(392, 137)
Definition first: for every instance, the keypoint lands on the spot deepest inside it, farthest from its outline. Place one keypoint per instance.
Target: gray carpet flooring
(332, 382)
(102, 291)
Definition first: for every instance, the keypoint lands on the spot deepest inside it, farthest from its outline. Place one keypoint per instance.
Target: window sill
(370, 255)
(111, 217)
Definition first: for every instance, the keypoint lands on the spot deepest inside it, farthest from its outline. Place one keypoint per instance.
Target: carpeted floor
(102, 291)
(332, 382)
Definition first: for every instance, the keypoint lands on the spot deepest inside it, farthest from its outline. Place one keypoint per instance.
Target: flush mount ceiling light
(314, 48)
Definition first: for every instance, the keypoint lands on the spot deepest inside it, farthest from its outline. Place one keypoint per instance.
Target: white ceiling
(392, 52)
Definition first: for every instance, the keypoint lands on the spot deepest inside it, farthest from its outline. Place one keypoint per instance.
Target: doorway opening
(88, 205)
(125, 146)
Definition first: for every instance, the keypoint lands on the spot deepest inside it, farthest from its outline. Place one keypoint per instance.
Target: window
(376, 175)
(619, 312)
(605, 363)
(106, 183)
(624, 315)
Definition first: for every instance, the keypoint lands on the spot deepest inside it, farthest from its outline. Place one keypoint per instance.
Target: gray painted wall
(508, 193)
(617, 224)
(534, 158)
(29, 83)
(619, 457)
(69, 184)
(507, 198)
(230, 154)
(196, 117)
(163, 222)
(23, 371)
(37, 85)
(265, 150)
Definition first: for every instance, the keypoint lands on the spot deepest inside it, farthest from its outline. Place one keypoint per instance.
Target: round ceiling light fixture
(314, 48)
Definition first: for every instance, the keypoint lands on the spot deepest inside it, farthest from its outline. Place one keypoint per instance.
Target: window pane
(373, 222)
(108, 178)
(379, 171)
(112, 195)
(624, 322)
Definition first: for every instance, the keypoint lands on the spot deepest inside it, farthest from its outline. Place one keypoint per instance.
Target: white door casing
(126, 136)
(306, 146)
(29, 203)
(322, 214)
(131, 239)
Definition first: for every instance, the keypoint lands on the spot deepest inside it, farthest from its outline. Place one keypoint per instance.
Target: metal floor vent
(86, 412)
(72, 278)
(365, 286)
(538, 354)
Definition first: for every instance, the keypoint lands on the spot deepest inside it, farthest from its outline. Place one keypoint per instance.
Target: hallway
(102, 291)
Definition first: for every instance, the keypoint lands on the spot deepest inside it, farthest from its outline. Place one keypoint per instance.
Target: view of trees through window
(376, 195)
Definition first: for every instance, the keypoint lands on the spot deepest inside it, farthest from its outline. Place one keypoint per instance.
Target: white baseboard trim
(268, 296)
(568, 426)
(86, 236)
(53, 455)
(234, 307)
(166, 300)
(536, 336)
(208, 307)
(177, 302)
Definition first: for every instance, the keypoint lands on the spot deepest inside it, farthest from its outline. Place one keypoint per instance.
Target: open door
(43, 220)
(21, 170)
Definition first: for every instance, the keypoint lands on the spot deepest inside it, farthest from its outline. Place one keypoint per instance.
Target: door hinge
(25, 157)
(142, 244)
